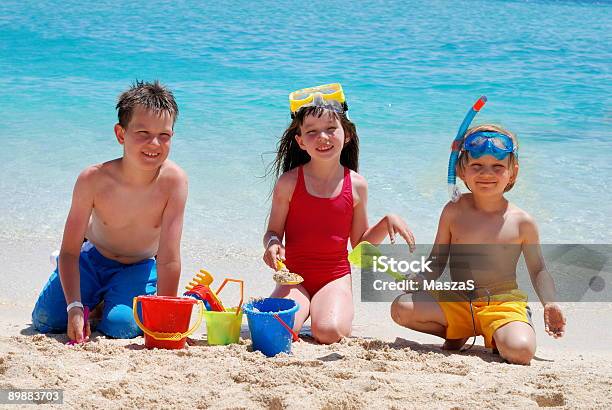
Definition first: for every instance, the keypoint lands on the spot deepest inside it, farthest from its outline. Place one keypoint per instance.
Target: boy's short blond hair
(463, 157)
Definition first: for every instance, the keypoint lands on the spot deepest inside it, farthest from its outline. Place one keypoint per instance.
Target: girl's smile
(321, 136)
(325, 147)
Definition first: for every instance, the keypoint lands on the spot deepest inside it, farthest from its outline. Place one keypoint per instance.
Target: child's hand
(275, 252)
(75, 326)
(554, 320)
(396, 225)
(417, 282)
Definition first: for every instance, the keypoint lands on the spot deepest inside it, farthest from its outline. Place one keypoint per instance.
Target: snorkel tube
(453, 190)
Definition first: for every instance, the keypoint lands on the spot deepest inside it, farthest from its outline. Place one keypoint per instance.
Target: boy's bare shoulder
(452, 209)
(173, 180)
(96, 172)
(91, 173)
(519, 214)
(526, 223)
(171, 172)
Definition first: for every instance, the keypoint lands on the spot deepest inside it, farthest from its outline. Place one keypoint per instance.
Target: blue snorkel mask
(491, 143)
(477, 144)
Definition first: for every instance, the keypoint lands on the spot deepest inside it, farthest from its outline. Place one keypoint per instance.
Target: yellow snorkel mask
(327, 96)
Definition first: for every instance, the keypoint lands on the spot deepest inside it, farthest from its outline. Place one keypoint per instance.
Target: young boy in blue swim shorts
(124, 227)
(492, 232)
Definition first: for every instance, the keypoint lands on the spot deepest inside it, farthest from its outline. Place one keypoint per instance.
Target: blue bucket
(269, 336)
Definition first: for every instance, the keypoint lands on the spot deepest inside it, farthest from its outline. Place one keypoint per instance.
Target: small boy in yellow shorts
(486, 159)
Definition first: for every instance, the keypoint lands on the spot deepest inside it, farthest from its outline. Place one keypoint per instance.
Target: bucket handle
(294, 336)
(241, 282)
(167, 336)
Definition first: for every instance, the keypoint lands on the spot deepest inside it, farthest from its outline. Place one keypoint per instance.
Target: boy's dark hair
(151, 96)
(289, 154)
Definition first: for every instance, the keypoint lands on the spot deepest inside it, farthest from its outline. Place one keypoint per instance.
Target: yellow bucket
(223, 328)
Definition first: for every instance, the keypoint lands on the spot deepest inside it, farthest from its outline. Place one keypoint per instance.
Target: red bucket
(166, 320)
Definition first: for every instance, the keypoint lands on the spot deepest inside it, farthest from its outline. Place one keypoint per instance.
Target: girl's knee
(328, 333)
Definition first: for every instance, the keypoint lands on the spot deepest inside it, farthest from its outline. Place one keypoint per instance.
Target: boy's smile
(488, 175)
(147, 137)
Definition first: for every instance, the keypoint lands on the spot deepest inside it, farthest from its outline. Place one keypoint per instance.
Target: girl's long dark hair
(289, 155)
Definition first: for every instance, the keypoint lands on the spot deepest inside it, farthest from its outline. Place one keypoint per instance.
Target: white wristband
(76, 303)
(272, 238)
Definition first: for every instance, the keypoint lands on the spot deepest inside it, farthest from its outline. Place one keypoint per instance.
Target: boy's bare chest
(476, 229)
(120, 207)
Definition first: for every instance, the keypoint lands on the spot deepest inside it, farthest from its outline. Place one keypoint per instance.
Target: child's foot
(454, 344)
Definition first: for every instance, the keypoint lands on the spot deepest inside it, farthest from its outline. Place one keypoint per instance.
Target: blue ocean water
(410, 70)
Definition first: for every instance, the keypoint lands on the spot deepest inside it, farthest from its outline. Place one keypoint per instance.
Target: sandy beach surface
(381, 366)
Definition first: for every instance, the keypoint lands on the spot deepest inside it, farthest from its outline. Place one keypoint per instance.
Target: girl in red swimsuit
(318, 203)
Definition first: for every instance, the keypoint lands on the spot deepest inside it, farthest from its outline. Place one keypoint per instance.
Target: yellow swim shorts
(488, 315)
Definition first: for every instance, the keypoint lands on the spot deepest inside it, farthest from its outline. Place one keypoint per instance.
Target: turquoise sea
(410, 70)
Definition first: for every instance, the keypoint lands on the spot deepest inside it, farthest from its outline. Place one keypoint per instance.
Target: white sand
(383, 366)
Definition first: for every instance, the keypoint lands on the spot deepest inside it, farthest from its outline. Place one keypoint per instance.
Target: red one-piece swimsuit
(316, 234)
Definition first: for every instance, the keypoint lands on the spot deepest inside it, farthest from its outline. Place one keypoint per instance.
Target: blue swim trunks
(102, 279)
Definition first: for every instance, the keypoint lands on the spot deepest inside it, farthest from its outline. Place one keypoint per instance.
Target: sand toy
(270, 323)
(166, 320)
(362, 256)
(222, 325)
(199, 288)
(284, 277)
